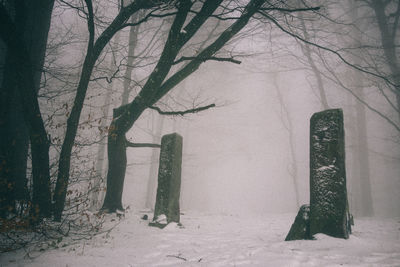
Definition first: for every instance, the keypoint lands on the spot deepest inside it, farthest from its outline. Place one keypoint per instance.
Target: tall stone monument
(169, 181)
(328, 193)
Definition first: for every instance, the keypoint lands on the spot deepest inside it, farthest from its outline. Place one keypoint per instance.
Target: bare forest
(115, 114)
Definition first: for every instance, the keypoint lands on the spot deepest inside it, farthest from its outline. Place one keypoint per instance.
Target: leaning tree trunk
(60, 192)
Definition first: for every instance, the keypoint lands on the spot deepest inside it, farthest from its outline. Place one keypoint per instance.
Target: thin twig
(177, 256)
(181, 113)
(226, 59)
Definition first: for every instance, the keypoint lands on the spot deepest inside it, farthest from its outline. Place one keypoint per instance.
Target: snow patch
(222, 240)
(324, 168)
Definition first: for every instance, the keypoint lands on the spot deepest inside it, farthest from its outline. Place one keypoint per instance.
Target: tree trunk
(93, 52)
(60, 192)
(18, 147)
(14, 142)
(26, 45)
(97, 195)
(118, 148)
(117, 155)
(156, 86)
(116, 171)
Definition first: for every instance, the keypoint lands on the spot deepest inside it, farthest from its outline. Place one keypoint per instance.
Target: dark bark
(14, 142)
(25, 37)
(96, 197)
(117, 159)
(18, 144)
(66, 149)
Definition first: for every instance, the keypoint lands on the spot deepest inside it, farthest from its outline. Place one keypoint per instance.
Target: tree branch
(79, 9)
(251, 8)
(108, 79)
(291, 10)
(177, 256)
(340, 56)
(227, 59)
(150, 15)
(90, 21)
(181, 113)
(337, 81)
(170, 51)
(130, 144)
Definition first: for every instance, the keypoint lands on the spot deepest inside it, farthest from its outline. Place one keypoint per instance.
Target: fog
(237, 155)
(250, 153)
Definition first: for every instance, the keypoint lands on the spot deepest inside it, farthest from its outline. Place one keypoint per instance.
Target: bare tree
(157, 85)
(94, 49)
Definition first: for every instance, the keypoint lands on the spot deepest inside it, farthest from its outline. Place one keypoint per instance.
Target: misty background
(250, 153)
(237, 156)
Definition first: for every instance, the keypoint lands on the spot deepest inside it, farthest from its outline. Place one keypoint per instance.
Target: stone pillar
(328, 194)
(300, 229)
(169, 181)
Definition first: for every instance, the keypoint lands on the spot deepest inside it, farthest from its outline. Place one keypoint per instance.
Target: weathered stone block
(328, 194)
(300, 229)
(169, 180)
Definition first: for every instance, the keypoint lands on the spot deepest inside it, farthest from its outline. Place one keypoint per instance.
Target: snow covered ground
(222, 240)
